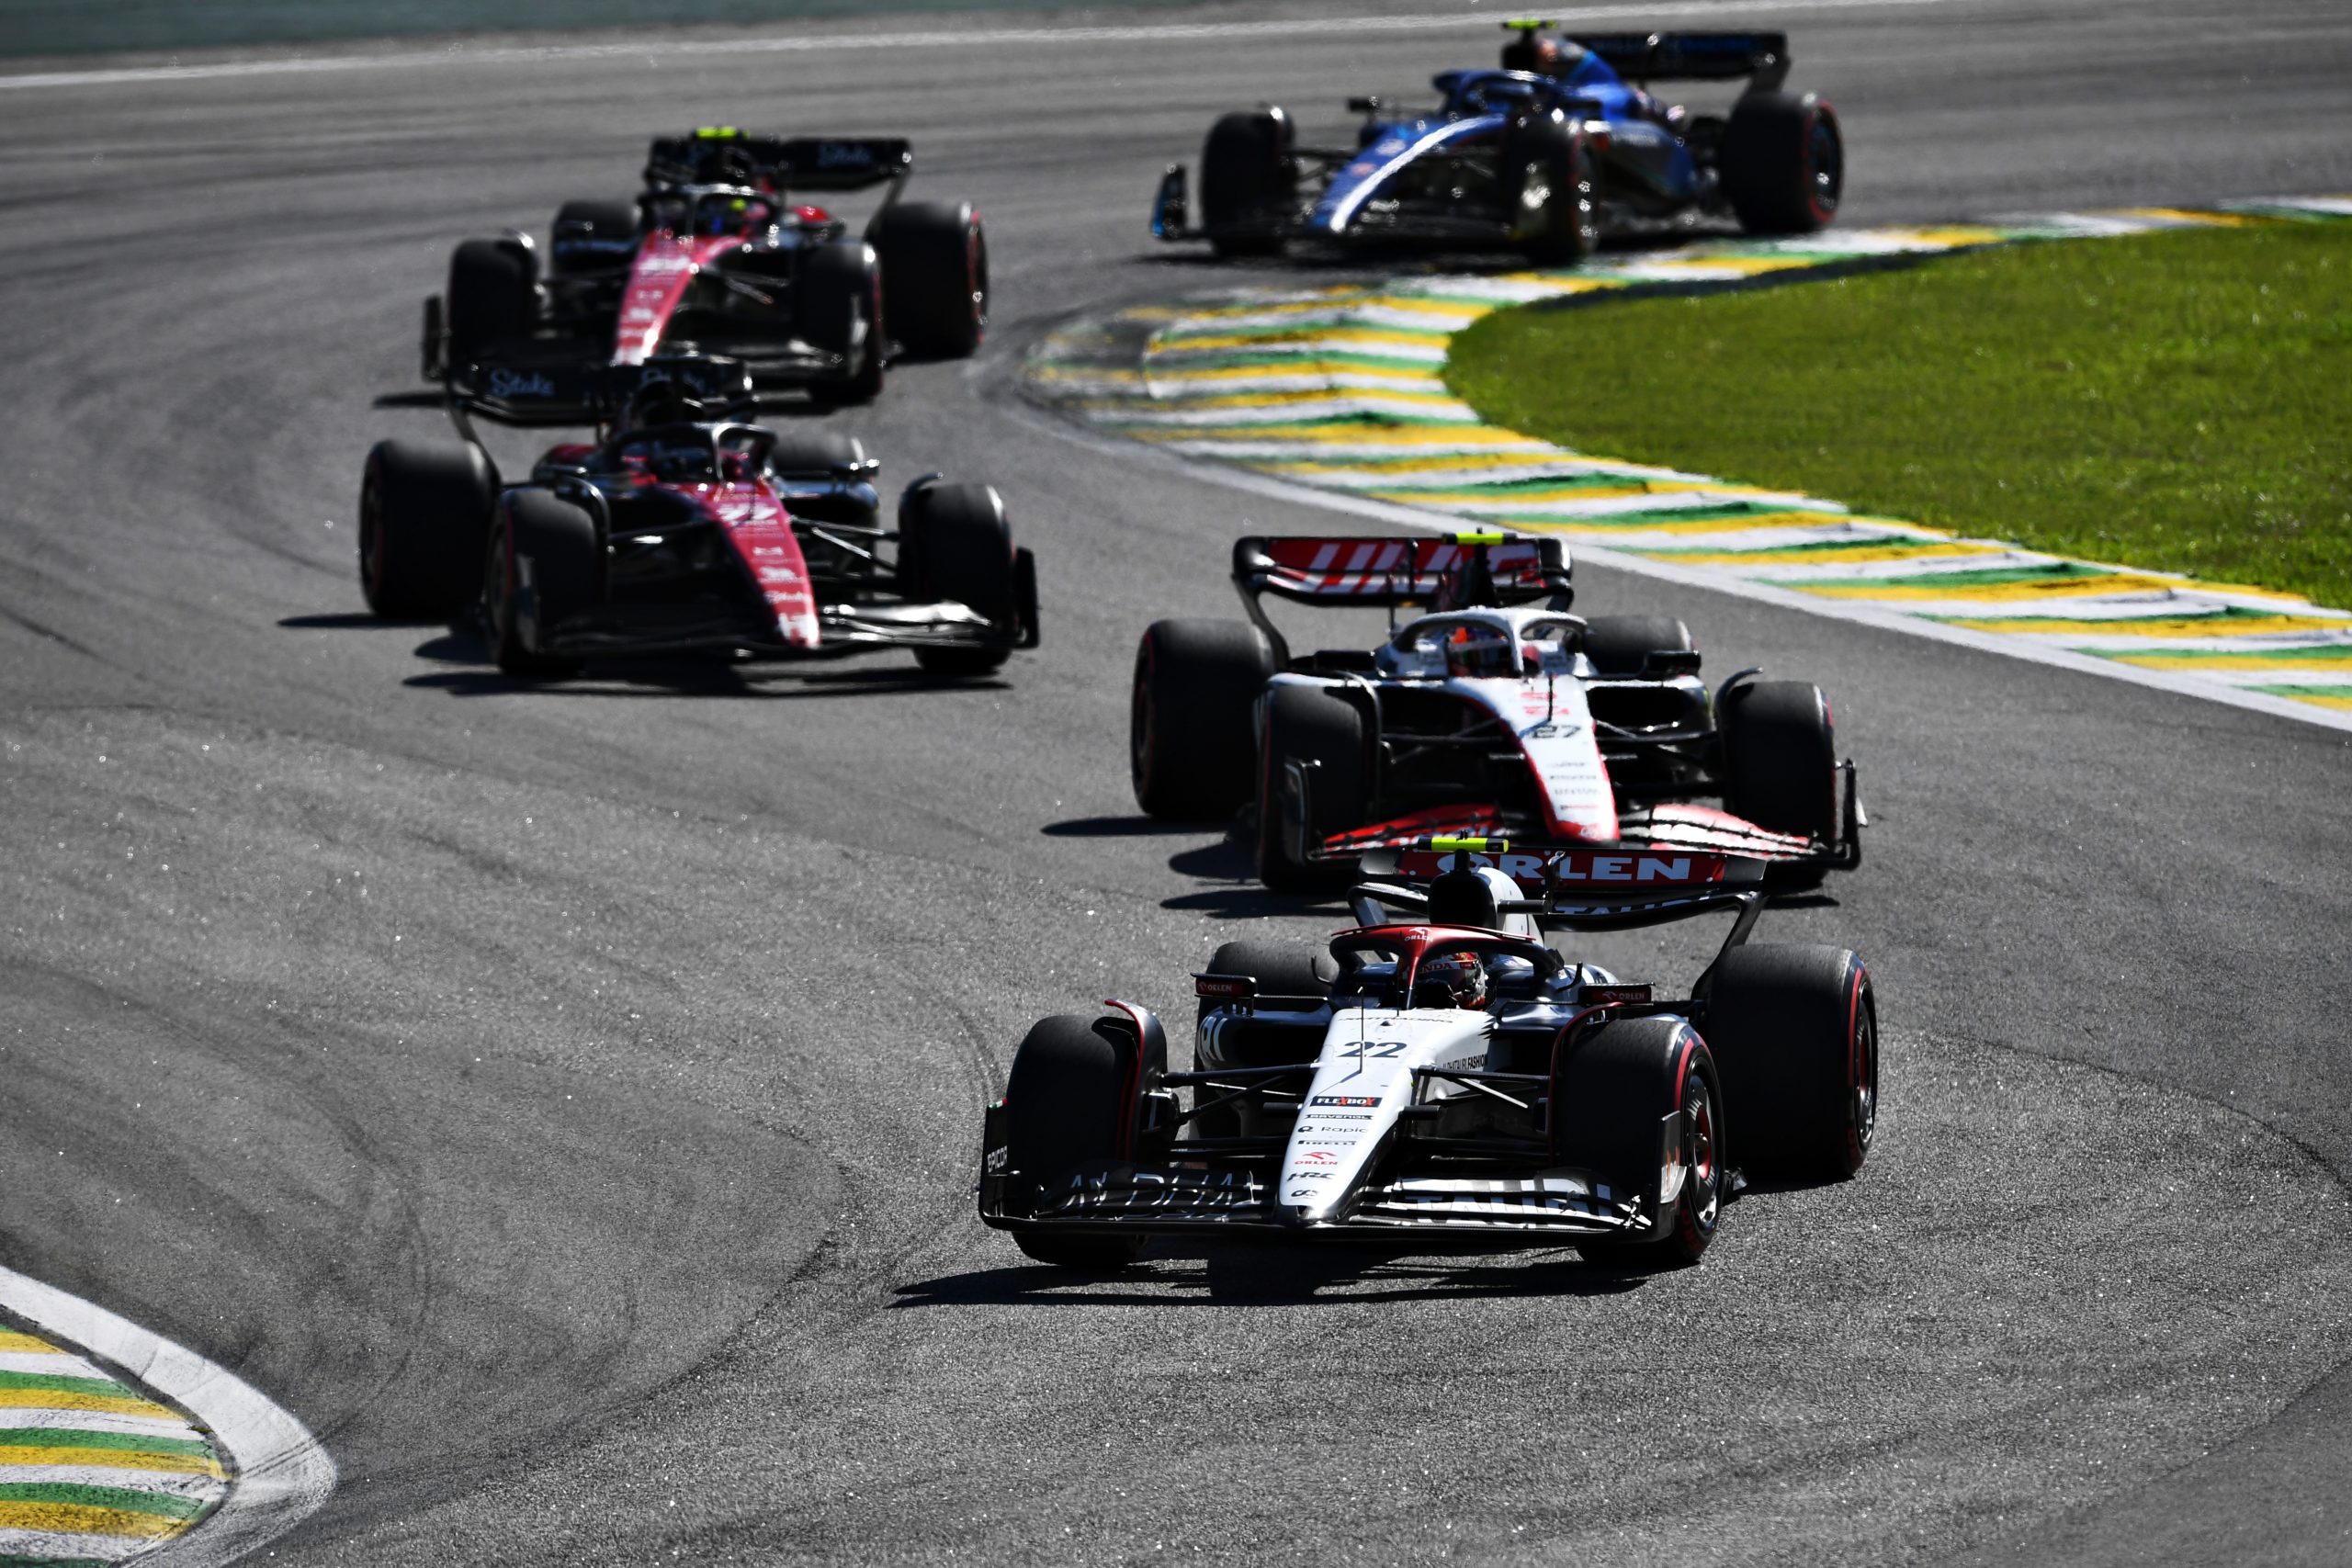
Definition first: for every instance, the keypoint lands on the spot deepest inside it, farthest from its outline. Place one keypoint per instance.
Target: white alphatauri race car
(1440, 1068)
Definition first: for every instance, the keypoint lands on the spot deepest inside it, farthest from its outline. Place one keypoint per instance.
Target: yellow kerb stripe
(2169, 625)
(114, 1459)
(106, 1404)
(2316, 660)
(12, 1340)
(2343, 702)
(78, 1518)
(1843, 554)
(1998, 592)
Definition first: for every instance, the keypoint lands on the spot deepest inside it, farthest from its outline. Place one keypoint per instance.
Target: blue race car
(1545, 155)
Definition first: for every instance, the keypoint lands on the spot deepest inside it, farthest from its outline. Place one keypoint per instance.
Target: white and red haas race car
(1439, 1069)
(1496, 712)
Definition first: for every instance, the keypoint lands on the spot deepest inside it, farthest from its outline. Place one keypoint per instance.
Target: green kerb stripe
(2291, 691)
(1295, 364)
(1635, 522)
(46, 1382)
(125, 1442)
(2330, 653)
(162, 1504)
(1996, 576)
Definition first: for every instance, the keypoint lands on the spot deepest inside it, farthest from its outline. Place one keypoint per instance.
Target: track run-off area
(562, 1104)
(1342, 391)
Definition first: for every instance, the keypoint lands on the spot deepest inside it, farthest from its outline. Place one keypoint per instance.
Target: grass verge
(2180, 400)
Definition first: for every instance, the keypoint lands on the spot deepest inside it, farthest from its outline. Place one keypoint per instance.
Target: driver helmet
(731, 215)
(657, 400)
(1451, 979)
(1481, 652)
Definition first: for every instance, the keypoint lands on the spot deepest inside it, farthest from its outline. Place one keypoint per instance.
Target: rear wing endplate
(1701, 57)
(791, 162)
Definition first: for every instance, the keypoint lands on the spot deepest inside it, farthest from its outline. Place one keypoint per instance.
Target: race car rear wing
(1585, 888)
(791, 162)
(1693, 57)
(1446, 572)
(527, 384)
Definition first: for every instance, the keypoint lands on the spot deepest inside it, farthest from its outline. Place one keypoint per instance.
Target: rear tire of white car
(424, 517)
(1246, 175)
(934, 276)
(546, 547)
(1781, 757)
(1794, 1030)
(1608, 1095)
(954, 544)
(1191, 754)
(1308, 724)
(1068, 1106)
(1619, 646)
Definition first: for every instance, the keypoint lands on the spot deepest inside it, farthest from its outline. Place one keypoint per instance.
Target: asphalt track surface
(565, 1101)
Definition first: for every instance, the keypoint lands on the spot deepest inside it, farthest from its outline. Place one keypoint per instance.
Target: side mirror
(1365, 105)
(1660, 662)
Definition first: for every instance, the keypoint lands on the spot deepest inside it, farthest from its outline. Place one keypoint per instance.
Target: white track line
(282, 1473)
(2007, 645)
(950, 38)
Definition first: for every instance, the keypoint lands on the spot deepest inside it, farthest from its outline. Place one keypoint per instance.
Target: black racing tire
(1621, 644)
(1794, 1030)
(935, 275)
(424, 517)
(492, 299)
(954, 544)
(1547, 189)
(839, 310)
(1608, 1093)
(1783, 163)
(1310, 724)
(1067, 1102)
(1192, 753)
(1781, 757)
(815, 452)
(546, 564)
(1281, 969)
(591, 236)
(1247, 174)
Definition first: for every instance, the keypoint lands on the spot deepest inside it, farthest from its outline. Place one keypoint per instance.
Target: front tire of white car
(1067, 1102)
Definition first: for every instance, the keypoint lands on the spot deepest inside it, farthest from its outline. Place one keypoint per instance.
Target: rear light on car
(1612, 996)
(1224, 988)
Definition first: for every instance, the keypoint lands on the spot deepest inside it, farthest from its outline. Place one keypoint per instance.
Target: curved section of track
(564, 1102)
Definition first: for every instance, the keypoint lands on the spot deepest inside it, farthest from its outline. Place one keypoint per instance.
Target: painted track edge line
(2008, 647)
(282, 1473)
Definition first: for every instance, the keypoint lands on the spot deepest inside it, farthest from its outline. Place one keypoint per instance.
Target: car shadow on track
(1119, 828)
(350, 621)
(708, 676)
(1221, 1273)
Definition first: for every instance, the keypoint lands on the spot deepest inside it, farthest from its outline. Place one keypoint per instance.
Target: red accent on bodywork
(657, 277)
(1634, 866)
(753, 519)
(1344, 569)
(1131, 1095)
(812, 215)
